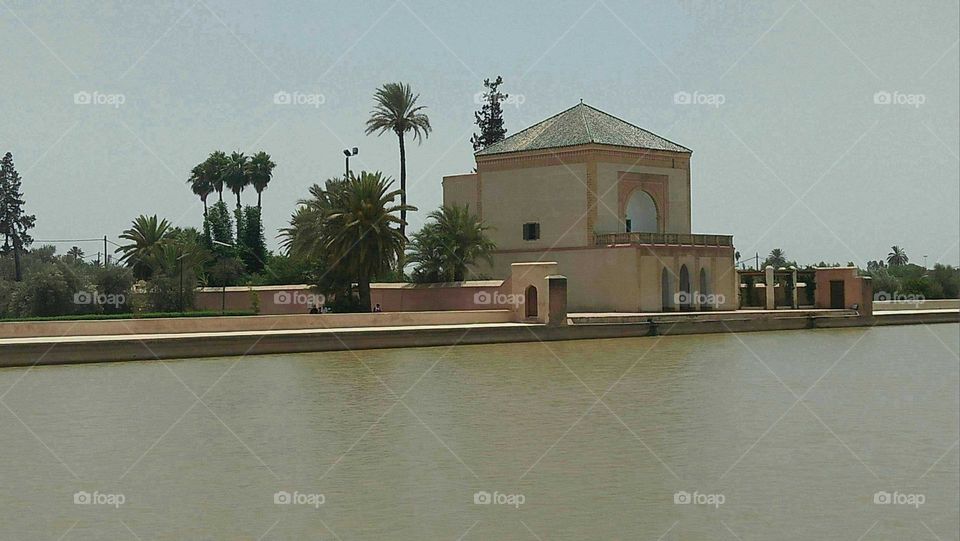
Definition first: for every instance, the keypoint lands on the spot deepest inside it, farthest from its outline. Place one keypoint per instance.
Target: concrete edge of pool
(92, 349)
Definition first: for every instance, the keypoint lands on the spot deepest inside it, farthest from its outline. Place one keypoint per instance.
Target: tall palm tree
(395, 109)
(147, 237)
(897, 257)
(352, 223)
(260, 172)
(215, 169)
(776, 259)
(236, 176)
(454, 240)
(201, 185)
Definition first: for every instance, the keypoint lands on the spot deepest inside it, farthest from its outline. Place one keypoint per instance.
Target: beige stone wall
(461, 190)
(553, 196)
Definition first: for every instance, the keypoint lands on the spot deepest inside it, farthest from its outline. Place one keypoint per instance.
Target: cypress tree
(14, 224)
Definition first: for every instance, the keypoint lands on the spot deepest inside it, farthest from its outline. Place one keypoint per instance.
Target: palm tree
(215, 168)
(776, 259)
(453, 241)
(897, 257)
(75, 253)
(260, 172)
(236, 175)
(352, 223)
(395, 109)
(147, 237)
(201, 185)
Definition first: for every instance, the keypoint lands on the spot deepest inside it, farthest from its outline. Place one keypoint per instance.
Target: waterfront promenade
(82, 342)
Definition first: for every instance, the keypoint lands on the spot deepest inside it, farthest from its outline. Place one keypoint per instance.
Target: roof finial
(581, 101)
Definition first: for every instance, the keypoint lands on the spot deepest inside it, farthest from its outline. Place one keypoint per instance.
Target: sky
(828, 129)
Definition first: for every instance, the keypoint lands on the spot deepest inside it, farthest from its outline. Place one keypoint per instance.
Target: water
(716, 416)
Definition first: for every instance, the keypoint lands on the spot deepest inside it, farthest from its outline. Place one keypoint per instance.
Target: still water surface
(779, 435)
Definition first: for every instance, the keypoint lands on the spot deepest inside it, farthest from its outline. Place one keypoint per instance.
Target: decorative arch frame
(654, 185)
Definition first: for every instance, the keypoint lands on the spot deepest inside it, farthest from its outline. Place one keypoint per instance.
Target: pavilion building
(610, 203)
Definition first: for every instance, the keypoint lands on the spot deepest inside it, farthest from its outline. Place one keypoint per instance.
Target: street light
(349, 152)
(180, 260)
(223, 284)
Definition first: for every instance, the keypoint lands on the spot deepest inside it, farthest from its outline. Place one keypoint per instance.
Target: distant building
(610, 203)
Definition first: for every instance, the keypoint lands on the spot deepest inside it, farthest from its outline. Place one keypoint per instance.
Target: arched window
(666, 290)
(641, 213)
(704, 298)
(686, 296)
(530, 302)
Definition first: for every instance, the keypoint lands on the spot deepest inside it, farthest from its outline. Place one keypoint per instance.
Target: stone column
(557, 291)
(771, 300)
(793, 300)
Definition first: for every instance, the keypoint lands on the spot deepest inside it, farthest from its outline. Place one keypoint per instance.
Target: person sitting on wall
(314, 309)
(377, 308)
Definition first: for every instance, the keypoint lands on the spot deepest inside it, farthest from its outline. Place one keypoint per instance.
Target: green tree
(776, 259)
(490, 116)
(254, 246)
(75, 253)
(395, 109)
(260, 172)
(897, 257)
(147, 237)
(445, 247)
(236, 176)
(14, 224)
(219, 226)
(351, 226)
(201, 185)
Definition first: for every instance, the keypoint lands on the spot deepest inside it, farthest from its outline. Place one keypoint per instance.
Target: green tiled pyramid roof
(581, 125)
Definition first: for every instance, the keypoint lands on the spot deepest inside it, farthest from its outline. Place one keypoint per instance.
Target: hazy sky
(790, 148)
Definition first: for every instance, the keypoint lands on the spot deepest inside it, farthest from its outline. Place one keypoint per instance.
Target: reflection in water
(781, 435)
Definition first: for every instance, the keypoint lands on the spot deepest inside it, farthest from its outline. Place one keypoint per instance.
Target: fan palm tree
(236, 176)
(260, 172)
(395, 109)
(215, 168)
(776, 259)
(147, 237)
(897, 257)
(201, 185)
(354, 224)
(75, 253)
(453, 241)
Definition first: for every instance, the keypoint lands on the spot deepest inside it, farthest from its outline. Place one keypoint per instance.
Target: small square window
(531, 231)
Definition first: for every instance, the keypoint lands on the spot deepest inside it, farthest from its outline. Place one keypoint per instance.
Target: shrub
(44, 292)
(116, 282)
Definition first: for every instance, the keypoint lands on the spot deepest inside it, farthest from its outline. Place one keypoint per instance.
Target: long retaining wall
(83, 349)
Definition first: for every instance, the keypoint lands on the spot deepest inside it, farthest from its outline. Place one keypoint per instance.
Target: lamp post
(180, 261)
(223, 284)
(349, 152)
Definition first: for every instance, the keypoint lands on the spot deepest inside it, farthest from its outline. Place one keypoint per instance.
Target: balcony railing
(676, 239)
